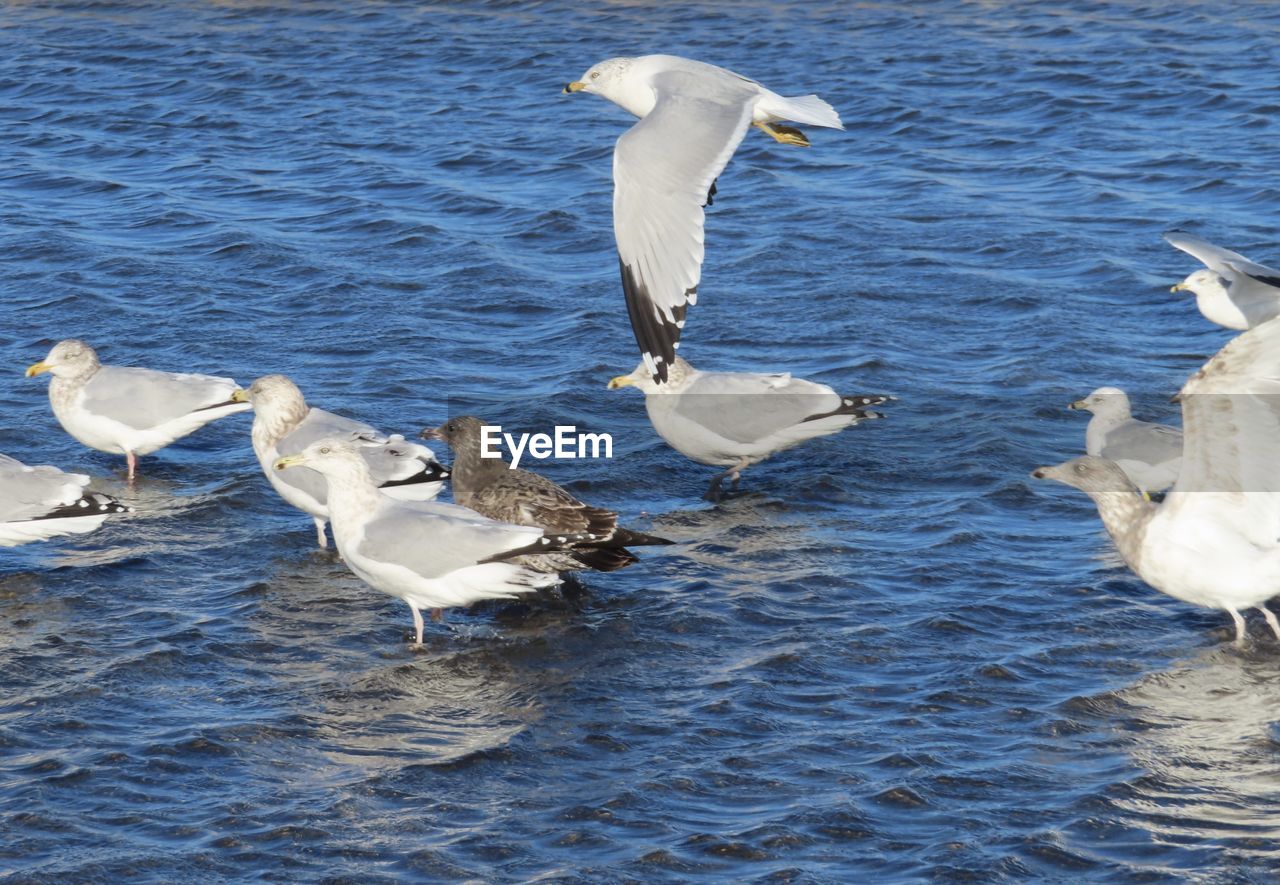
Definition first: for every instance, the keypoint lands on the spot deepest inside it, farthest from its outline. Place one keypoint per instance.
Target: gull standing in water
(736, 419)
(429, 554)
(1215, 539)
(1149, 454)
(283, 424)
(130, 411)
(692, 117)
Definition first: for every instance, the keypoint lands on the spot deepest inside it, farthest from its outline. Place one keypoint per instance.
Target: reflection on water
(1207, 732)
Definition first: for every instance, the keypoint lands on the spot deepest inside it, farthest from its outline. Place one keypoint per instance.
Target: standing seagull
(129, 411)
(431, 555)
(1149, 454)
(283, 424)
(490, 486)
(37, 503)
(692, 117)
(1232, 291)
(1215, 539)
(736, 419)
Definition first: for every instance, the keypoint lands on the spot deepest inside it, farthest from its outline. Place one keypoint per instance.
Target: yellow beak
(289, 461)
(37, 368)
(240, 395)
(575, 86)
(621, 381)
(1178, 288)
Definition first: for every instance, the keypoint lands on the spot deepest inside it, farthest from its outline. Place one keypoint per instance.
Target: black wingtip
(856, 405)
(656, 336)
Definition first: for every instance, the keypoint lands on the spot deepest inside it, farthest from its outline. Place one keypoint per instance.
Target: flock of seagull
(509, 531)
(1213, 540)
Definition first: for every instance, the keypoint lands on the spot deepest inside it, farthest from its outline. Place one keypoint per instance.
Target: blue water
(892, 654)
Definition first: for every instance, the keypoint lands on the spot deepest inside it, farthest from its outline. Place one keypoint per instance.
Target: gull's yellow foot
(783, 134)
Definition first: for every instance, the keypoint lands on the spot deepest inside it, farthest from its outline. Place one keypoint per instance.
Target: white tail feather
(807, 109)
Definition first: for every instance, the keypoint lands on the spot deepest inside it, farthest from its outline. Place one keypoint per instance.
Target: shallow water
(891, 654)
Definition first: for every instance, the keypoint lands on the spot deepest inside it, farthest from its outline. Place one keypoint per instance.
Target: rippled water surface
(891, 654)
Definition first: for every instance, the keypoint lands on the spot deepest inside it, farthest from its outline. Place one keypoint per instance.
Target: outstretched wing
(663, 170)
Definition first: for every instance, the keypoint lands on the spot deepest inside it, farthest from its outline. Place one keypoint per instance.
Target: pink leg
(133, 464)
(1271, 619)
(1235, 616)
(417, 624)
(320, 538)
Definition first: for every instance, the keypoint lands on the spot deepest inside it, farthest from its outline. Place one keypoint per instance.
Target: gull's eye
(324, 450)
(1080, 468)
(595, 74)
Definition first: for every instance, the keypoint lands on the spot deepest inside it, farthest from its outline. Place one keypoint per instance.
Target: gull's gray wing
(1144, 442)
(746, 407)
(434, 539)
(663, 169)
(320, 424)
(34, 492)
(391, 459)
(146, 398)
(1224, 261)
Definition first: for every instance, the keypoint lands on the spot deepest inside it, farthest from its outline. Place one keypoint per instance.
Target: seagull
(38, 503)
(490, 486)
(429, 554)
(1149, 454)
(692, 117)
(1232, 291)
(1215, 539)
(283, 424)
(129, 411)
(736, 419)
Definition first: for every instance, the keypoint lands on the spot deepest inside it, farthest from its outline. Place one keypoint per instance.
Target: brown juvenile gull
(736, 419)
(37, 503)
(429, 554)
(1215, 539)
(492, 487)
(1231, 291)
(126, 410)
(283, 424)
(692, 117)
(1149, 454)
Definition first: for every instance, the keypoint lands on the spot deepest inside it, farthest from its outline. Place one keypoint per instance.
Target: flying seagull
(692, 117)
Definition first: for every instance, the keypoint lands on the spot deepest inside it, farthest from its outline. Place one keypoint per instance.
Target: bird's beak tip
(1039, 473)
(620, 381)
(36, 369)
(240, 395)
(575, 86)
